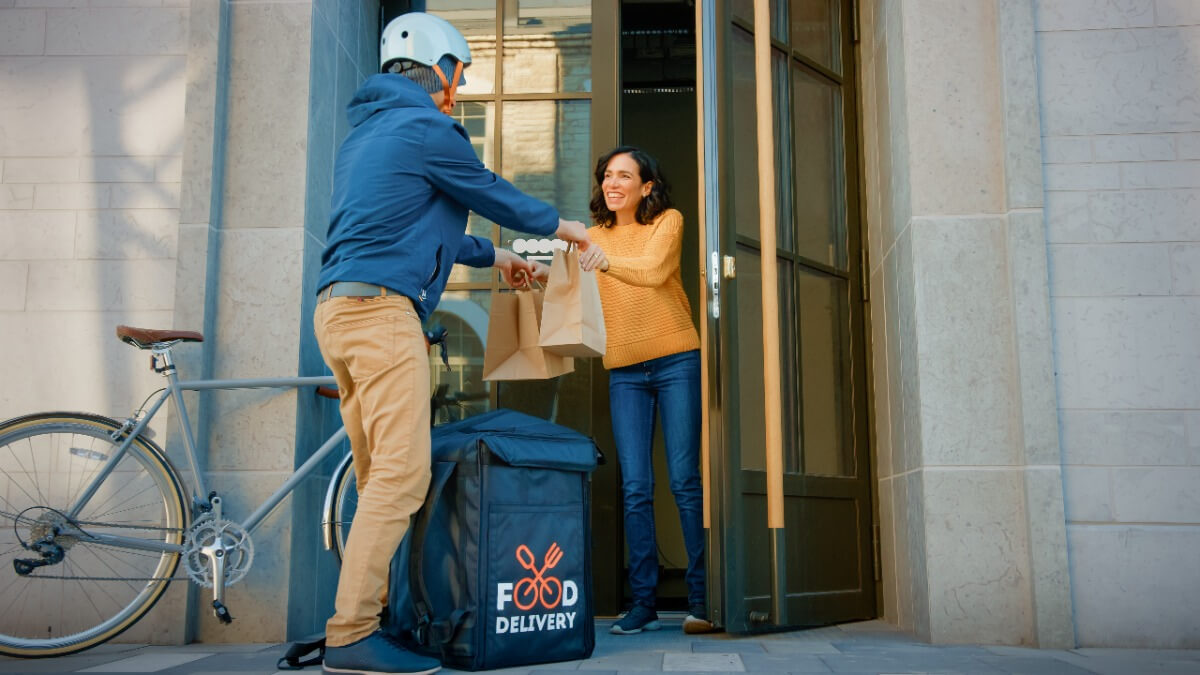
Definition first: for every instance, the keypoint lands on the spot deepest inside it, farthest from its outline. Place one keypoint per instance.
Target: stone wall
(1121, 134)
(91, 126)
(967, 461)
(91, 144)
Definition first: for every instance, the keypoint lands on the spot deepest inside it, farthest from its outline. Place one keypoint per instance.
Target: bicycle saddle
(145, 338)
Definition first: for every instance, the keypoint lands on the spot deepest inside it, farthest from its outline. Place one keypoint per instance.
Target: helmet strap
(449, 87)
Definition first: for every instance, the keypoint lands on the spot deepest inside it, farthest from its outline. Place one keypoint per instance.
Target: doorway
(658, 114)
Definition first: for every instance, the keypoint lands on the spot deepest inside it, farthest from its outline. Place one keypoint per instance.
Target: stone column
(240, 276)
(971, 506)
(344, 51)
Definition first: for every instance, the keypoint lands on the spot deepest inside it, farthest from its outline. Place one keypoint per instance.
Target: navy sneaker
(377, 654)
(697, 620)
(636, 620)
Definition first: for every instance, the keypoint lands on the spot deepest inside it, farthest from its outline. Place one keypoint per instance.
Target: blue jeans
(670, 384)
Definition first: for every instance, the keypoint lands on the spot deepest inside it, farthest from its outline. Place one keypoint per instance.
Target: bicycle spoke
(26, 520)
(135, 589)
(86, 591)
(19, 596)
(23, 471)
(37, 484)
(108, 515)
(17, 548)
(88, 597)
(4, 592)
(85, 479)
(97, 509)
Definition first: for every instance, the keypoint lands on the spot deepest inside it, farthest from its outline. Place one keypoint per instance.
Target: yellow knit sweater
(646, 313)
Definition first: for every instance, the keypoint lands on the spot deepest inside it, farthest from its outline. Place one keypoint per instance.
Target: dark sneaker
(377, 654)
(697, 620)
(636, 620)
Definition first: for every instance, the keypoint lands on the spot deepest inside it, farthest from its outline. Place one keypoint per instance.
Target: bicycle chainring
(208, 531)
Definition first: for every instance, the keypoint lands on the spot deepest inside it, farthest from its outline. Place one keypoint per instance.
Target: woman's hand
(515, 269)
(593, 258)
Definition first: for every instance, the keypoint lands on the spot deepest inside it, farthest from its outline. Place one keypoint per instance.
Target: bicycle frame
(174, 391)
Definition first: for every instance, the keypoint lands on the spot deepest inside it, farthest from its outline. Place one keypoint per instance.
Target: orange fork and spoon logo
(539, 587)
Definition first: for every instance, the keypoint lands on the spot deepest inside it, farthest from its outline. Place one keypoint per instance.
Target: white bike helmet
(423, 38)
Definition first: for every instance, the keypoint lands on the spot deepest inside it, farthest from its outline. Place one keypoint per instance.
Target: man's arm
(451, 165)
(476, 252)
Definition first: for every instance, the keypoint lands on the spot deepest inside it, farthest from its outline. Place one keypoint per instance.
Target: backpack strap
(292, 659)
(430, 632)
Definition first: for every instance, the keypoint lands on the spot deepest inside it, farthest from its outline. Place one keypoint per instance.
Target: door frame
(725, 483)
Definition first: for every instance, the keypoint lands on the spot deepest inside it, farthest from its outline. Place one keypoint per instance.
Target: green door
(819, 568)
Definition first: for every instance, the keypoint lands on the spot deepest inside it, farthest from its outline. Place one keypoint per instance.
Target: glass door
(823, 560)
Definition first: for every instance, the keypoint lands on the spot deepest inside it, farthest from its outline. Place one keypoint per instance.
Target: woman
(653, 355)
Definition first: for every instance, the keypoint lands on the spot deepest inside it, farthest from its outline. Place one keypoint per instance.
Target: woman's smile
(614, 200)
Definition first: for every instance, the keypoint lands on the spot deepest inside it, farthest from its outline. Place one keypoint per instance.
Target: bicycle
(99, 518)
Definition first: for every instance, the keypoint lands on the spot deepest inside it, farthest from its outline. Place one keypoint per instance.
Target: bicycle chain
(130, 527)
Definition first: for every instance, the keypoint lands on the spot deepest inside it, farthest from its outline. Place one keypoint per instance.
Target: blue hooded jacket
(404, 180)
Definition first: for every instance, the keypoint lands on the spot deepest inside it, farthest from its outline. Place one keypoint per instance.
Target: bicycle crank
(217, 549)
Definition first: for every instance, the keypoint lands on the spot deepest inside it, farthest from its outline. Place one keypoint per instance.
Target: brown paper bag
(512, 351)
(572, 319)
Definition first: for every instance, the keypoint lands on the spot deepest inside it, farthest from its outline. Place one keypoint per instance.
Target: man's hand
(573, 231)
(515, 269)
(540, 271)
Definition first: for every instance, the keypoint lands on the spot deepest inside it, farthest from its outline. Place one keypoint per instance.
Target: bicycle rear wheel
(341, 503)
(95, 591)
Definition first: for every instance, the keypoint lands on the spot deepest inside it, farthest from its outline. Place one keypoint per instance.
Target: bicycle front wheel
(79, 592)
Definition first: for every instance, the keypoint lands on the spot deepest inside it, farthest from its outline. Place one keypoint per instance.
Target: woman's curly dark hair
(656, 202)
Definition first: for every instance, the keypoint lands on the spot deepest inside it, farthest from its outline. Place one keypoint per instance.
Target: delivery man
(405, 177)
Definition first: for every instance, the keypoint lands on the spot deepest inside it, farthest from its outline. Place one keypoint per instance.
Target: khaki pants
(377, 353)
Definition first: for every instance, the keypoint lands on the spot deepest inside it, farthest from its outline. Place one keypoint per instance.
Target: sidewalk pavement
(858, 648)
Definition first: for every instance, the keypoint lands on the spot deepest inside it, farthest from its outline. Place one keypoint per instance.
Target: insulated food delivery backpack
(496, 569)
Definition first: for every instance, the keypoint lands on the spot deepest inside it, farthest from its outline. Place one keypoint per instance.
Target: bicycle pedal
(221, 612)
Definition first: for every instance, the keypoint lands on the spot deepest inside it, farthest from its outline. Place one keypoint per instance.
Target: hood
(386, 91)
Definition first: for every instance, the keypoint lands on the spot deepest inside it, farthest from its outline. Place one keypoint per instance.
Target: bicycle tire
(45, 461)
(343, 502)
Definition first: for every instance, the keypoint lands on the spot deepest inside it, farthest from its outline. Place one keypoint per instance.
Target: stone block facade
(92, 119)
(1034, 316)
(1120, 91)
(91, 142)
